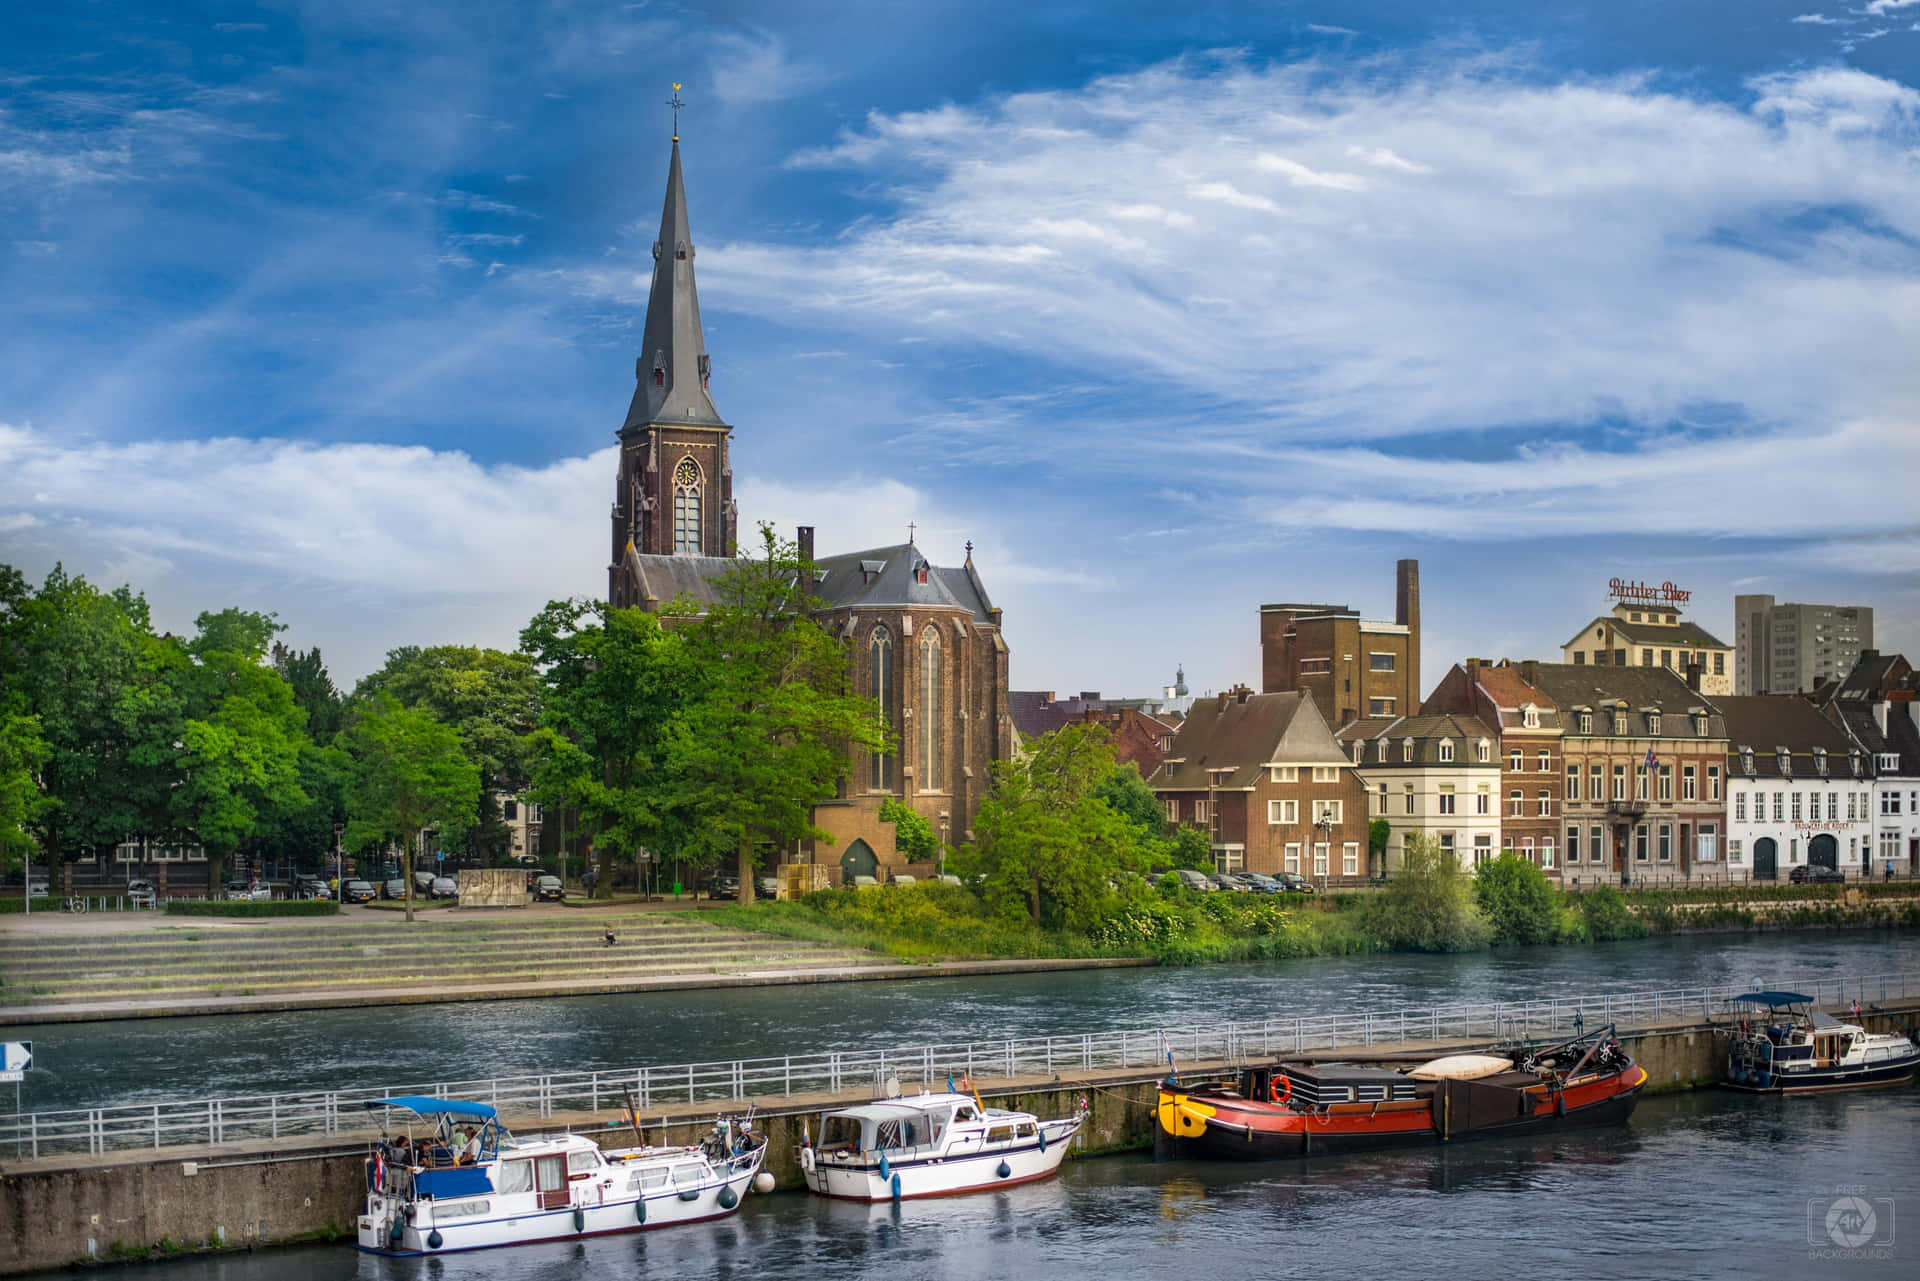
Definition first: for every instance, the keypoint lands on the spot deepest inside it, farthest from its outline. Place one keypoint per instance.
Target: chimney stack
(805, 546)
(1693, 676)
(1530, 670)
(1406, 612)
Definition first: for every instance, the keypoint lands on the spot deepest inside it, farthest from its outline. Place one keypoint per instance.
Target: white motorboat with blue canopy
(932, 1145)
(1794, 1048)
(447, 1175)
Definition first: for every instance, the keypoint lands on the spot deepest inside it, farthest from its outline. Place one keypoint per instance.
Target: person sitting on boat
(470, 1150)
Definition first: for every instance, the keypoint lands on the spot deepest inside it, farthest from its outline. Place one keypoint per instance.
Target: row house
(1265, 777)
(1435, 775)
(1645, 760)
(1798, 791)
(1527, 730)
(1874, 704)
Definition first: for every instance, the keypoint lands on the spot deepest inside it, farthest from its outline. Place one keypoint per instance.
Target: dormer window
(1700, 726)
(680, 251)
(1446, 749)
(1359, 751)
(1820, 761)
(659, 374)
(1620, 723)
(1406, 749)
(1483, 751)
(1746, 761)
(1380, 750)
(1784, 759)
(1653, 724)
(1530, 717)
(1586, 722)
(1887, 762)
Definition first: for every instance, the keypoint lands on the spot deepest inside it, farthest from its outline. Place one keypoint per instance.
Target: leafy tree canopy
(408, 773)
(306, 673)
(22, 751)
(1130, 797)
(1517, 900)
(912, 835)
(1428, 905)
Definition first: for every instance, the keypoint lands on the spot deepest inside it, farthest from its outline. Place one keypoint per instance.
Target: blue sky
(332, 308)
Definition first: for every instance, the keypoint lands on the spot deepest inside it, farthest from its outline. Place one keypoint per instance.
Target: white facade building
(1438, 775)
(1874, 704)
(1799, 791)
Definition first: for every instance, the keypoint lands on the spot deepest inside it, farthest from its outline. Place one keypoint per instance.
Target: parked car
(247, 892)
(548, 889)
(1816, 874)
(1260, 882)
(767, 886)
(140, 893)
(356, 892)
(395, 888)
(443, 887)
(305, 883)
(1198, 881)
(723, 885)
(1294, 883)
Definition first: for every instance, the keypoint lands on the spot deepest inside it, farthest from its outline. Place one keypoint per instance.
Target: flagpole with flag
(1173, 1071)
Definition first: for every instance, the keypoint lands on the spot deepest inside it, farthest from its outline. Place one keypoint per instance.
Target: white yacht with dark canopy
(450, 1177)
(929, 1145)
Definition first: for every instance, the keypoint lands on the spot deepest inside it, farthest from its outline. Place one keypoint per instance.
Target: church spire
(673, 368)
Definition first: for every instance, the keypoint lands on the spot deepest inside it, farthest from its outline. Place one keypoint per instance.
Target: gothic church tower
(675, 492)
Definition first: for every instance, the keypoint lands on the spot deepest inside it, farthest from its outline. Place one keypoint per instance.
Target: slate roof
(1675, 635)
(1767, 722)
(1245, 735)
(673, 339)
(1510, 694)
(1427, 730)
(1572, 687)
(1037, 711)
(1850, 702)
(880, 578)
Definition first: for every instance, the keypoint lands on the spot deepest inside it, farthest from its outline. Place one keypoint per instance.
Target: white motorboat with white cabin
(932, 1145)
(465, 1183)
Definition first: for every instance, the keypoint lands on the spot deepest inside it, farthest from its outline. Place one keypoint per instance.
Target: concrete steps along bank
(225, 961)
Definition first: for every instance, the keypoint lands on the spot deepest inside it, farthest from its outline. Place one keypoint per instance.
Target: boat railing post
(273, 1114)
(1009, 1059)
(593, 1087)
(156, 1127)
(1369, 1028)
(1126, 1059)
(690, 1094)
(739, 1079)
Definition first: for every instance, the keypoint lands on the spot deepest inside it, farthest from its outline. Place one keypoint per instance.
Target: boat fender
(894, 1186)
(1766, 1079)
(579, 1219)
(728, 1198)
(763, 1182)
(1005, 1171)
(1043, 1139)
(640, 1210)
(395, 1233)
(435, 1240)
(1560, 1103)
(886, 1171)
(1279, 1087)
(690, 1194)
(807, 1160)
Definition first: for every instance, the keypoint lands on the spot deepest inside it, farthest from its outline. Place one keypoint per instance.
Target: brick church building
(923, 641)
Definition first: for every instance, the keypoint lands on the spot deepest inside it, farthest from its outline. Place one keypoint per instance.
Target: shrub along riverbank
(1433, 906)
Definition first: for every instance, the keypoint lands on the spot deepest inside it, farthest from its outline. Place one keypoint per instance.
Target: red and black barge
(1307, 1109)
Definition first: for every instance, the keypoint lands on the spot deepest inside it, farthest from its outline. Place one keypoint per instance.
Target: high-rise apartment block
(1787, 649)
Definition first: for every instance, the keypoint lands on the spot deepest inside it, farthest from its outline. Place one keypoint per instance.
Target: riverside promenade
(124, 965)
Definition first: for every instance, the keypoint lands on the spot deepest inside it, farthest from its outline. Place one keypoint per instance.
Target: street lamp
(1325, 824)
(339, 859)
(946, 823)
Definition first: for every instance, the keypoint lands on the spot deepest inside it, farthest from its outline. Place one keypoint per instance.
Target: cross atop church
(910, 528)
(676, 104)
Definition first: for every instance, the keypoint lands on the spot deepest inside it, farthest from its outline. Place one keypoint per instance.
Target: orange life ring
(1279, 1087)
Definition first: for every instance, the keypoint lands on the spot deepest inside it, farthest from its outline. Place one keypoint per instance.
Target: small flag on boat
(806, 1137)
(1173, 1072)
(379, 1172)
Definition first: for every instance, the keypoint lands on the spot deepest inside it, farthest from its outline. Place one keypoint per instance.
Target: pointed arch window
(686, 508)
(929, 712)
(880, 672)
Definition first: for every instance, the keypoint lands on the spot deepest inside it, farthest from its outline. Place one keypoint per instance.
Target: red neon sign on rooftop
(1665, 594)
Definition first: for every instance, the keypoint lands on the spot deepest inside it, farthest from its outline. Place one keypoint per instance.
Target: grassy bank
(275, 907)
(1445, 914)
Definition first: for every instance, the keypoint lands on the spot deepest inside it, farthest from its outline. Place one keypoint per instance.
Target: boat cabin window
(1024, 1129)
(459, 1210)
(966, 1114)
(687, 1175)
(580, 1162)
(898, 1133)
(1000, 1134)
(516, 1176)
(840, 1131)
(651, 1177)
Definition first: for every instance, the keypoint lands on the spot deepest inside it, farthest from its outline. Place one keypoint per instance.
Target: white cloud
(1817, 19)
(753, 67)
(1559, 252)
(1880, 8)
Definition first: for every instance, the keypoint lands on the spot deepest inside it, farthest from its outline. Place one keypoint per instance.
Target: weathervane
(676, 104)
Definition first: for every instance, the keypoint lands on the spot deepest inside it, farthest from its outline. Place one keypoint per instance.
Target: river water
(1696, 1185)
(138, 1061)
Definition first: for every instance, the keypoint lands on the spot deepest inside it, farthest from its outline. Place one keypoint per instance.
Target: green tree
(22, 752)
(1130, 797)
(613, 680)
(1046, 842)
(1192, 848)
(912, 835)
(409, 773)
(305, 672)
(1607, 915)
(765, 733)
(1516, 899)
(241, 738)
(1379, 833)
(491, 698)
(1428, 906)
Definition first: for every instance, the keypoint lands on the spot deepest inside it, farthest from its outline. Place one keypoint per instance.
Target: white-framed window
(1483, 752)
(1359, 753)
(1833, 807)
(1796, 807)
(1483, 800)
(1543, 763)
(1713, 782)
(1887, 762)
(1446, 751)
(1689, 783)
(1739, 807)
(1328, 809)
(1406, 749)
(1482, 847)
(1573, 844)
(1173, 811)
(1516, 804)
(1379, 707)
(1319, 858)
(1526, 848)
(1350, 858)
(1326, 773)
(1546, 852)
(1666, 782)
(1586, 722)
(1516, 760)
(1596, 844)
(1779, 808)
(1640, 843)
(1653, 724)
(1889, 802)
(1378, 662)
(1707, 843)
(1530, 716)
(1889, 846)
(1447, 798)
(1573, 782)
(1380, 750)
(1852, 805)
(1290, 857)
(1640, 782)
(1736, 852)
(1409, 796)
(1203, 811)
(1666, 842)
(1284, 812)
(1229, 858)
(1545, 802)
(1285, 774)
(1619, 782)
(1381, 803)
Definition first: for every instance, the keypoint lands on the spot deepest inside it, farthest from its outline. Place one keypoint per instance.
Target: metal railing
(215, 1121)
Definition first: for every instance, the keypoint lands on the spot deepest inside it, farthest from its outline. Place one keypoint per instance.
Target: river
(137, 1061)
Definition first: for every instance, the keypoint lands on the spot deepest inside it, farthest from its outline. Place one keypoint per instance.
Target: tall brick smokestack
(804, 546)
(1406, 612)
